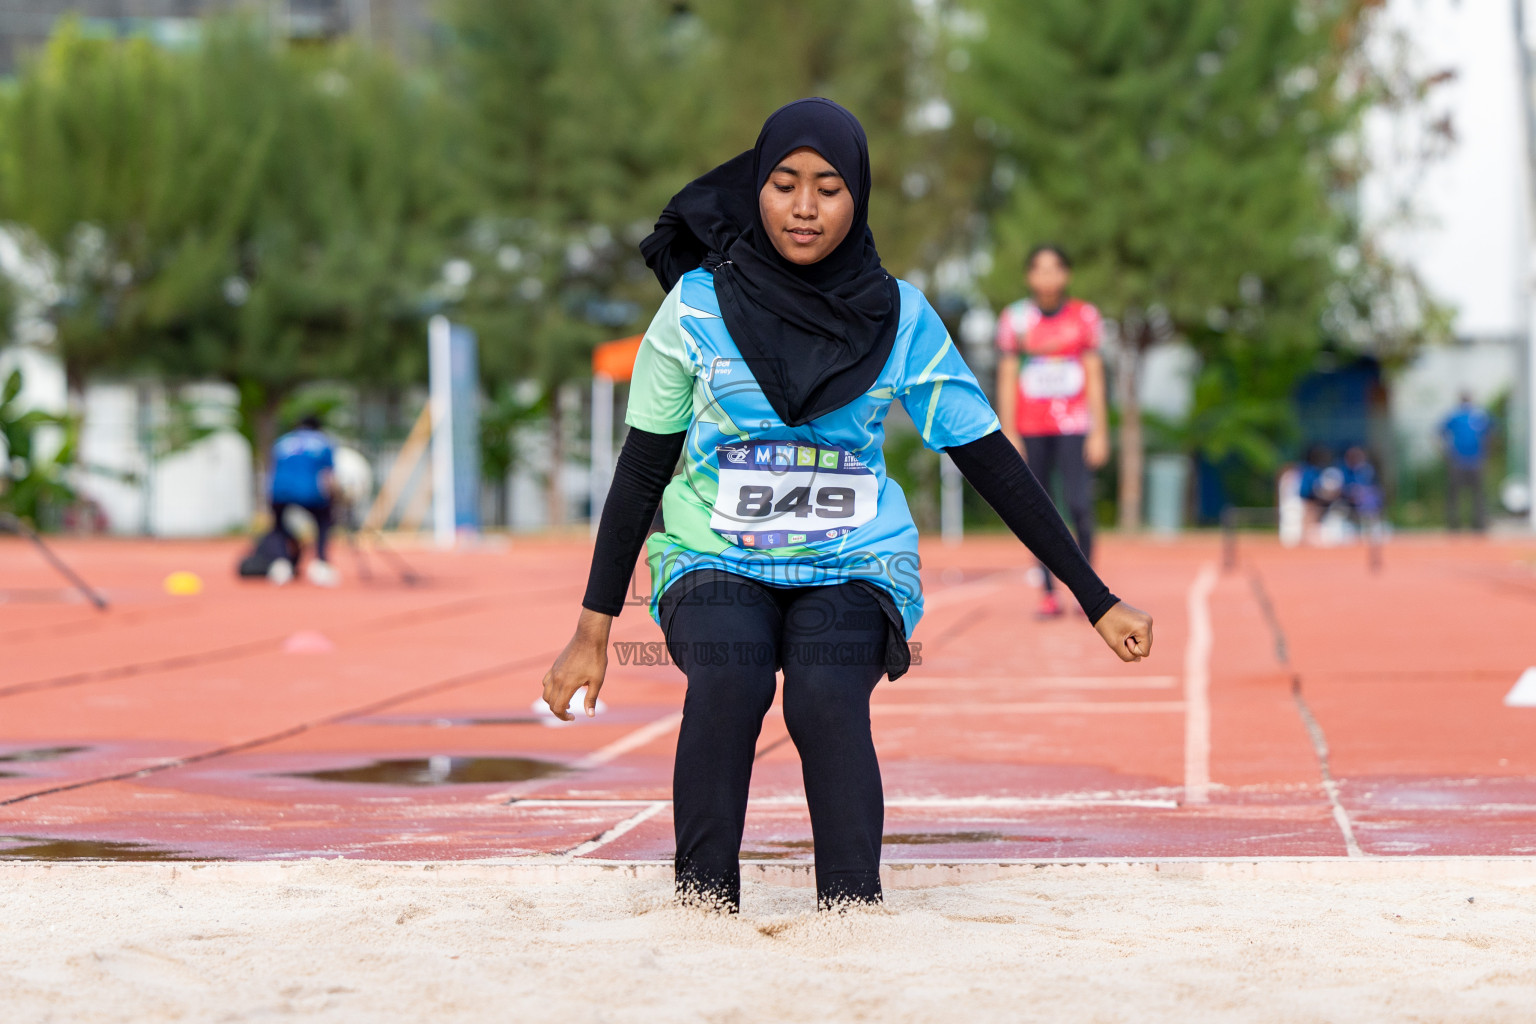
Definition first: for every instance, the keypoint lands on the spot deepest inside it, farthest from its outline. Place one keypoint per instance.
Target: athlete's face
(1047, 278)
(806, 207)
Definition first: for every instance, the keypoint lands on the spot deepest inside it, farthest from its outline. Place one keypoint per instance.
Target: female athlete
(1050, 390)
(769, 369)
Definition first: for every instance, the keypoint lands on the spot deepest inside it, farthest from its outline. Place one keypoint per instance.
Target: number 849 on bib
(777, 494)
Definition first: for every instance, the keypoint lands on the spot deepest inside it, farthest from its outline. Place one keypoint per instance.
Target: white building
(124, 465)
(1470, 237)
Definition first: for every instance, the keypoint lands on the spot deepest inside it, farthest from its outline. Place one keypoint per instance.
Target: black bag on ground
(269, 549)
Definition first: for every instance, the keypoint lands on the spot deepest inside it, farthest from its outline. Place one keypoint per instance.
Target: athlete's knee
(728, 694)
(824, 703)
(1082, 518)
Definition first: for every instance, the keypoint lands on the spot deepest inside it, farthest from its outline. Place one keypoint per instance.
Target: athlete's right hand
(584, 662)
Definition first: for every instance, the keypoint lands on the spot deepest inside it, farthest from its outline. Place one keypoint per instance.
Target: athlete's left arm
(994, 468)
(1096, 447)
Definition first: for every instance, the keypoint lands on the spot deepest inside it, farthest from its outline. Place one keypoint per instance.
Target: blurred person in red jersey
(1050, 391)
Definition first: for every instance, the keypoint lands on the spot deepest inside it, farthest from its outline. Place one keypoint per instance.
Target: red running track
(1296, 705)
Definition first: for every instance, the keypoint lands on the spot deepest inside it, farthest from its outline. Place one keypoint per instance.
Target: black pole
(1228, 537)
(1372, 529)
(12, 524)
(407, 575)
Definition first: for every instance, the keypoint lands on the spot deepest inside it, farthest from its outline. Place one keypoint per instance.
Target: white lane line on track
(1330, 784)
(601, 756)
(1197, 688)
(1001, 803)
(576, 801)
(921, 682)
(992, 803)
(618, 830)
(1524, 693)
(1043, 707)
(974, 590)
(1309, 720)
(632, 741)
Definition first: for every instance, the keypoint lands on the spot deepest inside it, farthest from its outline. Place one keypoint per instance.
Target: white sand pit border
(896, 874)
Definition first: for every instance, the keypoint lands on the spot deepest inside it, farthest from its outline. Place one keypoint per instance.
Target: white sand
(350, 941)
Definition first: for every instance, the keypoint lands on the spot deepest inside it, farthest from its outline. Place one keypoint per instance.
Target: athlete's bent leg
(281, 569)
(1479, 498)
(1453, 487)
(322, 516)
(1040, 452)
(725, 637)
(834, 648)
(278, 508)
(1077, 482)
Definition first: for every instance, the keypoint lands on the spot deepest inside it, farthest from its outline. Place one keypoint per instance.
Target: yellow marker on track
(183, 584)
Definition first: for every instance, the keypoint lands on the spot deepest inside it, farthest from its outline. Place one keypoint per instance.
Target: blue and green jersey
(792, 506)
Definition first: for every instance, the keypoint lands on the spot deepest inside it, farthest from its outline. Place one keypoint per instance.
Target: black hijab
(816, 336)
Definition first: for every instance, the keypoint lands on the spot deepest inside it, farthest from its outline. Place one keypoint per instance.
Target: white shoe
(280, 571)
(322, 574)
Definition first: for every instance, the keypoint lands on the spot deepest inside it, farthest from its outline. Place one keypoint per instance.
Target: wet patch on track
(39, 754)
(445, 722)
(32, 756)
(44, 848)
(439, 770)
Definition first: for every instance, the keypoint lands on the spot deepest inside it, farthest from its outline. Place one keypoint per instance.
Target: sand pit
(359, 941)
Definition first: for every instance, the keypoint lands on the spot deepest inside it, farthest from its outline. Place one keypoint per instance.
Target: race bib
(777, 494)
(1052, 377)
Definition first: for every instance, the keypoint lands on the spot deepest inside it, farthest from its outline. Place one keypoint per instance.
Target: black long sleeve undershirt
(1000, 475)
(992, 465)
(644, 466)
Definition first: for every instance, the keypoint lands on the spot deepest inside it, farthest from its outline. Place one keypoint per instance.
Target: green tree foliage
(240, 210)
(883, 61)
(578, 145)
(1185, 152)
(590, 114)
(270, 215)
(8, 296)
(33, 482)
(501, 418)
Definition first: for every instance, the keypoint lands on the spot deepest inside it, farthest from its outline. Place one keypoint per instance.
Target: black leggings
(1046, 453)
(322, 517)
(730, 636)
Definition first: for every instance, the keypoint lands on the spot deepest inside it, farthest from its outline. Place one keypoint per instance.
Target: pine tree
(881, 60)
(577, 147)
(590, 114)
(240, 211)
(1185, 153)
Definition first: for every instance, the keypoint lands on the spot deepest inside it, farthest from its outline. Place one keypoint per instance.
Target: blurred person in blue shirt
(1465, 436)
(1360, 487)
(1322, 483)
(303, 475)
